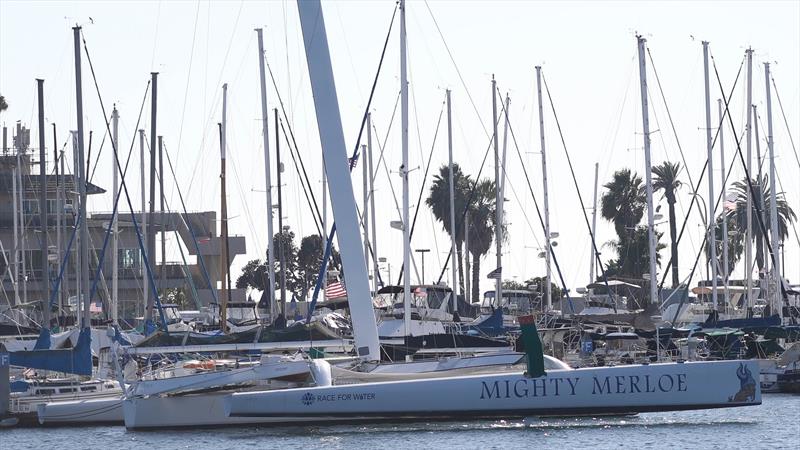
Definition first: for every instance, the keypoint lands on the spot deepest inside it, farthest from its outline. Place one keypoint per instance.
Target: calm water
(774, 424)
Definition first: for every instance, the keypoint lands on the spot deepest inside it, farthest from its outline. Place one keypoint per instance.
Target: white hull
(82, 412)
(606, 390)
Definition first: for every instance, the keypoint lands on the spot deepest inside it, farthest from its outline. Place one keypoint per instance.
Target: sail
(77, 360)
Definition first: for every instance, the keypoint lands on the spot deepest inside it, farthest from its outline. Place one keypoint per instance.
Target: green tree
(253, 276)
(665, 178)
(309, 259)
(482, 223)
(284, 241)
(633, 254)
(760, 203)
(537, 284)
(624, 202)
(439, 202)
(3, 104)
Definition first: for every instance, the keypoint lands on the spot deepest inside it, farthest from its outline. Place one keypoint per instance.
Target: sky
(588, 55)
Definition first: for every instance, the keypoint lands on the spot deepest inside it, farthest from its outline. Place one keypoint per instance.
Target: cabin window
(89, 388)
(66, 390)
(47, 391)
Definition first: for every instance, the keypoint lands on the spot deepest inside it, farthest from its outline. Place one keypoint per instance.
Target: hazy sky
(588, 54)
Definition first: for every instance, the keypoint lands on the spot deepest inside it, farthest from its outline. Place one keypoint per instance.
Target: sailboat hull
(606, 390)
(82, 412)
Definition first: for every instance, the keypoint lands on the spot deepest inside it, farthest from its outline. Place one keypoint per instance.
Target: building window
(30, 206)
(130, 259)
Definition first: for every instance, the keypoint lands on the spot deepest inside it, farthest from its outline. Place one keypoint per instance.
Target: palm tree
(439, 202)
(665, 178)
(3, 104)
(760, 203)
(482, 224)
(623, 203)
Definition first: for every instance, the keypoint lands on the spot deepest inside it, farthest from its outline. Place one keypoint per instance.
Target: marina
(272, 279)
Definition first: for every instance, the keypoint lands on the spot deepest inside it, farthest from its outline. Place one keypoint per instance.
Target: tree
(513, 285)
(665, 178)
(735, 243)
(3, 104)
(439, 202)
(309, 259)
(624, 202)
(536, 284)
(284, 241)
(253, 276)
(633, 254)
(738, 213)
(482, 224)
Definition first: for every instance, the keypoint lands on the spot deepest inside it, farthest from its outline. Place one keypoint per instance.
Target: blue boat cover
(43, 341)
(77, 360)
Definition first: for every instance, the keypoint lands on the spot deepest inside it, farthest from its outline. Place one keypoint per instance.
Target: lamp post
(423, 251)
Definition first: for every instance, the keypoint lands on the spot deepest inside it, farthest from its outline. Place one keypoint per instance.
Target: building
(195, 274)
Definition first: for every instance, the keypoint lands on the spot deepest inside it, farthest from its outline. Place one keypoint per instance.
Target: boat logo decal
(308, 399)
(747, 385)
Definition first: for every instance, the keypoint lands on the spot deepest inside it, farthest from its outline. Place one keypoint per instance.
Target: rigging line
(97, 159)
(669, 116)
(124, 187)
(472, 193)
(188, 78)
(794, 224)
(751, 189)
(185, 220)
(294, 148)
(458, 71)
(700, 181)
(536, 203)
(422, 188)
(382, 160)
(155, 35)
(786, 122)
(306, 189)
(577, 189)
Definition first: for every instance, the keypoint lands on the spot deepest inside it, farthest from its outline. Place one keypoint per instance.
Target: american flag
(96, 307)
(335, 290)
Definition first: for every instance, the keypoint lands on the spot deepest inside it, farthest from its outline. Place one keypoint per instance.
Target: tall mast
(748, 245)
(270, 289)
(648, 176)
(329, 123)
(451, 180)
(163, 219)
(281, 249)
(146, 236)
(547, 256)
(84, 236)
(151, 230)
(374, 240)
(594, 225)
(404, 171)
(773, 207)
(15, 258)
(498, 204)
(725, 268)
(365, 201)
(114, 221)
(59, 210)
(711, 199)
(506, 123)
(45, 276)
(223, 310)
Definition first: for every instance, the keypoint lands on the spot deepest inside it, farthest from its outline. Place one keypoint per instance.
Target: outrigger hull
(591, 391)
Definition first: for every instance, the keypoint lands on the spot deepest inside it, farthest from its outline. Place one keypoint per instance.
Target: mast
(748, 245)
(151, 230)
(648, 177)
(594, 225)
(146, 236)
(281, 249)
(84, 235)
(773, 187)
(365, 202)
(498, 204)
(16, 231)
(451, 181)
(270, 288)
(725, 268)
(374, 240)
(547, 256)
(115, 222)
(329, 122)
(59, 210)
(711, 199)
(404, 170)
(223, 310)
(45, 276)
(163, 272)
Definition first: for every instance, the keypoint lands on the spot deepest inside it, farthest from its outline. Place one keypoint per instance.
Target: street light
(423, 251)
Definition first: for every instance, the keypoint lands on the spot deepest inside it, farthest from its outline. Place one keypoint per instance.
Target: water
(774, 424)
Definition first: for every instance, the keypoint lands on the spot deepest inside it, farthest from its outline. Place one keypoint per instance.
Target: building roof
(31, 183)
